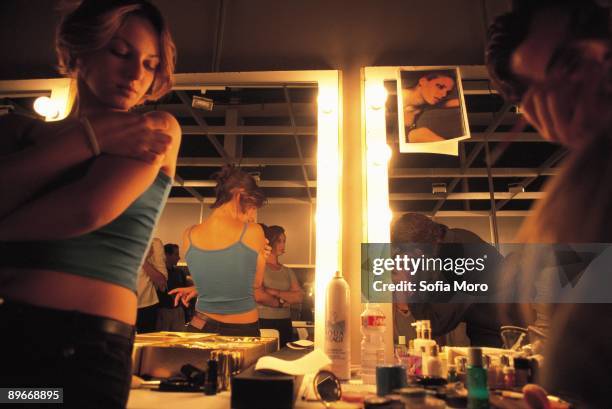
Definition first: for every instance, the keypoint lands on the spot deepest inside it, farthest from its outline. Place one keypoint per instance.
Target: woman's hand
(142, 137)
(267, 250)
(535, 397)
(185, 294)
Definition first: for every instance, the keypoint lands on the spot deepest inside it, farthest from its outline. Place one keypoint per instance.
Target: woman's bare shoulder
(254, 235)
(172, 123)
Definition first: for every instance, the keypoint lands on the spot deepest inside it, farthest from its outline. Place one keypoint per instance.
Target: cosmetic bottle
(478, 394)
(210, 385)
(432, 365)
(401, 351)
(337, 310)
(521, 371)
(509, 378)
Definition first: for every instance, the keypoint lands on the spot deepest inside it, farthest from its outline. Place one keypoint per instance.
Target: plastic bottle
(509, 378)
(401, 351)
(337, 342)
(423, 335)
(478, 394)
(521, 371)
(372, 342)
(432, 365)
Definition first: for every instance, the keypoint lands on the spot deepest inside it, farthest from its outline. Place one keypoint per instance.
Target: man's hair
(417, 228)
(587, 20)
(170, 247)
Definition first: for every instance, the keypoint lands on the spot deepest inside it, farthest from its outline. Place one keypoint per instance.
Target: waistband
(201, 318)
(43, 316)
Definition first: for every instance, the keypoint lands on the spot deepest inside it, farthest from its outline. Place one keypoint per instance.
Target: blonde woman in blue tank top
(80, 198)
(225, 255)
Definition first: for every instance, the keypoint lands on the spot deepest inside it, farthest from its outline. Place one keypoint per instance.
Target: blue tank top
(224, 277)
(112, 253)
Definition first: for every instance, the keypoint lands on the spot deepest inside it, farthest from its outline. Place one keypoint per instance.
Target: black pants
(86, 355)
(284, 327)
(226, 329)
(146, 320)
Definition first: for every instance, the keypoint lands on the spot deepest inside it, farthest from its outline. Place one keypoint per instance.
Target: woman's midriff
(63, 291)
(242, 318)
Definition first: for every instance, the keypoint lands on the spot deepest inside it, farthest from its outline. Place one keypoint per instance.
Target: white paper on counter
(309, 363)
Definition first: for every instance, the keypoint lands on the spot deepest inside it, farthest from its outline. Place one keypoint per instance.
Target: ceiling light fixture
(203, 103)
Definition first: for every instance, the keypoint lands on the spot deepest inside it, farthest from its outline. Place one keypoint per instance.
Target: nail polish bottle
(478, 394)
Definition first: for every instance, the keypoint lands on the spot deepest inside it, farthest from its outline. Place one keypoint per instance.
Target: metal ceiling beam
(178, 181)
(247, 110)
(262, 183)
(481, 213)
(499, 116)
(215, 142)
(212, 162)
(248, 130)
(270, 200)
(221, 13)
(466, 196)
(231, 143)
(477, 137)
(506, 137)
(546, 167)
(424, 173)
(485, 118)
(297, 141)
(465, 186)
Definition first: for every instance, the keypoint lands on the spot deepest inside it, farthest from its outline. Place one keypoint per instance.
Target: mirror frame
(329, 147)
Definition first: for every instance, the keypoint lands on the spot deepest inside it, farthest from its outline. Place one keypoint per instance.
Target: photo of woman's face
(436, 90)
(121, 73)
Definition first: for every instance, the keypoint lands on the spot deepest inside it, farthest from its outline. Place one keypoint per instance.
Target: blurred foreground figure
(553, 57)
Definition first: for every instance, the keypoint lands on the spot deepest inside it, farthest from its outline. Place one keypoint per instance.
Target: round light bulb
(379, 154)
(327, 102)
(377, 96)
(44, 106)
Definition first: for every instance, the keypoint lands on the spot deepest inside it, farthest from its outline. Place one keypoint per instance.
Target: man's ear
(422, 81)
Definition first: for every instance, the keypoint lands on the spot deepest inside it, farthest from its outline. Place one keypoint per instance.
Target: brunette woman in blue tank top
(80, 198)
(225, 255)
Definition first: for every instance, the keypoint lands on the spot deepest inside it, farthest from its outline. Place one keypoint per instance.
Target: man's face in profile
(563, 74)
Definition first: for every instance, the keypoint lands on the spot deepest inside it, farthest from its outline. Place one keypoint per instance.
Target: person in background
(554, 58)
(482, 321)
(152, 277)
(171, 317)
(281, 283)
(225, 255)
(80, 200)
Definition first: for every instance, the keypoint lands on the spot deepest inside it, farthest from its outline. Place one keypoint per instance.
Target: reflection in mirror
(269, 132)
(268, 124)
(460, 196)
